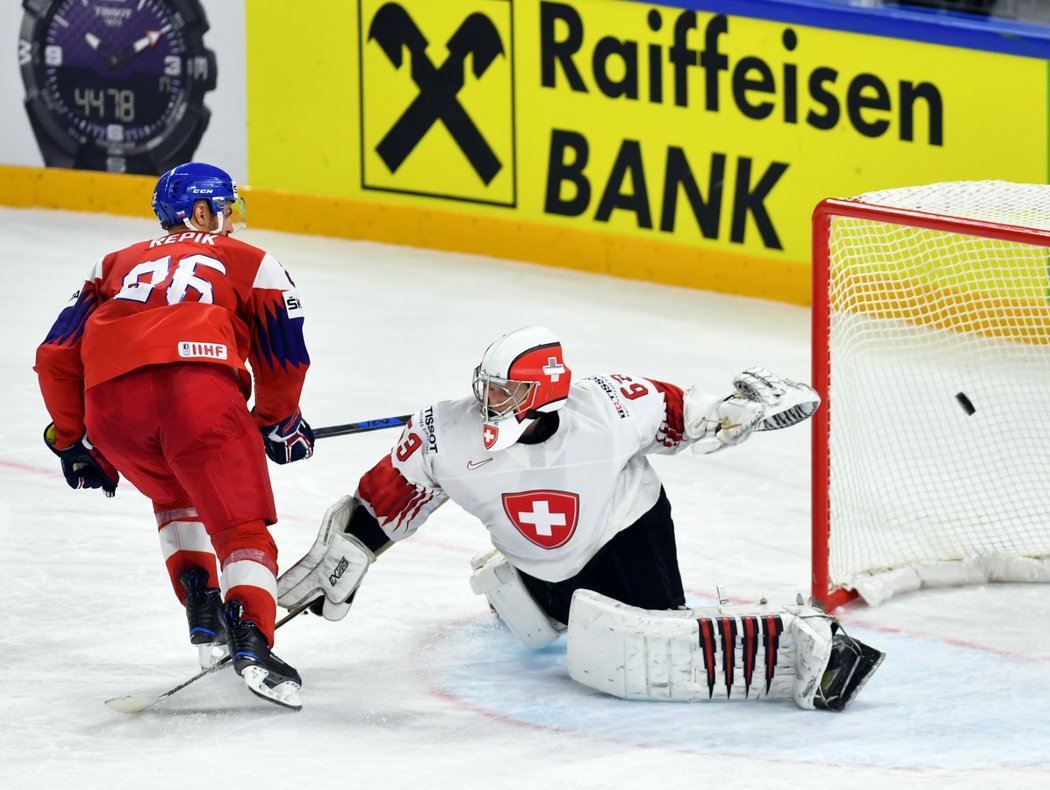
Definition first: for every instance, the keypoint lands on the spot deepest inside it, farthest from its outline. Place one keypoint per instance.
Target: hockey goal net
(931, 350)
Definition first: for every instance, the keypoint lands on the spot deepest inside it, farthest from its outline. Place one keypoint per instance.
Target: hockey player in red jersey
(145, 372)
(556, 470)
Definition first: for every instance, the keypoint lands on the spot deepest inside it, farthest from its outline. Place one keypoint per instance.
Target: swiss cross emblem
(490, 435)
(554, 369)
(547, 518)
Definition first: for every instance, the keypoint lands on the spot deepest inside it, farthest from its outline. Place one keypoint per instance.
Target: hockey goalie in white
(557, 472)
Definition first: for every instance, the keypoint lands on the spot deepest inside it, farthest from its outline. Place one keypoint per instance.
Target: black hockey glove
(83, 464)
(289, 440)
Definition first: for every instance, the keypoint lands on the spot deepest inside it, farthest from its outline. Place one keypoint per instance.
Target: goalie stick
(137, 703)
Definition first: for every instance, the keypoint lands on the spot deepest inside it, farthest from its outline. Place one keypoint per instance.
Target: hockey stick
(361, 427)
(137, 703)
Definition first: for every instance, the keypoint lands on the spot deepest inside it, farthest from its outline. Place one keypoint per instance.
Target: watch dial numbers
(137, 101)
(52, 55)
(123, 104)
(112, 104)
(89, 100)
(172, 66)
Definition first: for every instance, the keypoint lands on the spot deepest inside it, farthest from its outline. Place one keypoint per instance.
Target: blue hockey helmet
(183, 185)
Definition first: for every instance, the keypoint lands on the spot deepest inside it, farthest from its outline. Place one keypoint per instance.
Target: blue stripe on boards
(954, 29)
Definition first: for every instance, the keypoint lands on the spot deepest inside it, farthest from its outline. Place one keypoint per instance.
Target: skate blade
(211, 654)
(284, 694)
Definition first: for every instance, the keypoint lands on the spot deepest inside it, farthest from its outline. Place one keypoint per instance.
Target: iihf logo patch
(189, 349)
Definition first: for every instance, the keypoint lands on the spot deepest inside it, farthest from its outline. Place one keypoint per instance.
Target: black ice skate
(851, 664)
(264, 673)
(204, 616)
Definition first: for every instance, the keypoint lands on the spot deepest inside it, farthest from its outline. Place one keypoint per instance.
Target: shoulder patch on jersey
(419, 432)
(292, 304)
(607, 386)
(428, 426)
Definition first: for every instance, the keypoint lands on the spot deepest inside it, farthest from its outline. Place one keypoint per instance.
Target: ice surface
(417, 687)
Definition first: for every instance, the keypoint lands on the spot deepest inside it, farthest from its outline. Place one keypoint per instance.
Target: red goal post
(931, 352)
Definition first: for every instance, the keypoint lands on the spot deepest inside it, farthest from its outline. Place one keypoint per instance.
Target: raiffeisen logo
(437, 99)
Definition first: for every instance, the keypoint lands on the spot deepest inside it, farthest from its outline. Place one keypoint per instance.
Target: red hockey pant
(183, 436)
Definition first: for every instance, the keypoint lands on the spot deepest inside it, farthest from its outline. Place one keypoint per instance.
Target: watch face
(117, 84)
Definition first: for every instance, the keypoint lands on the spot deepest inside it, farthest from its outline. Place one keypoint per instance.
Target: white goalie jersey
(549, 506)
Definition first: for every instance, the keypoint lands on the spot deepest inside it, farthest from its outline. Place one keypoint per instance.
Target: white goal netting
(938, 365)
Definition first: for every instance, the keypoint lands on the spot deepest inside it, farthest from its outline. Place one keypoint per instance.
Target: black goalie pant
(639, 566)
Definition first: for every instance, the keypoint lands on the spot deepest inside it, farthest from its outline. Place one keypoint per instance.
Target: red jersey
(188, 297)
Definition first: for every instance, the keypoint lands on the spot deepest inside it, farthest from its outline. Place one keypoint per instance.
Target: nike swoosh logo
(472, 465)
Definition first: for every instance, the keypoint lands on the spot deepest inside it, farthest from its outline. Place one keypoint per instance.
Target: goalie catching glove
(787, 401)
(761, 401)
(332, 570)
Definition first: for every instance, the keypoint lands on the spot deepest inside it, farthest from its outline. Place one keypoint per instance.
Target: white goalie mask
(522, 375)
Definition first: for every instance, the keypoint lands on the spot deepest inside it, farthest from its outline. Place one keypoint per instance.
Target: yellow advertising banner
(640, 122)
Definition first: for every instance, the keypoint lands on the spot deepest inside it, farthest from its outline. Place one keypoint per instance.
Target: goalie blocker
(328, 576)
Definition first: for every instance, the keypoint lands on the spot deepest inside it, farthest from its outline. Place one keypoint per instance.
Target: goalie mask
(522, 375)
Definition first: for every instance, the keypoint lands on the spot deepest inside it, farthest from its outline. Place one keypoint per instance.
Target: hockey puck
(967, 405)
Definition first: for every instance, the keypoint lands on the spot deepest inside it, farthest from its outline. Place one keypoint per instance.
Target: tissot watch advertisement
(125, 86)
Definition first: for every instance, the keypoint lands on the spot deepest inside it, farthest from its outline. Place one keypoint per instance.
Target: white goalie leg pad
(813, 642)
(690, 655)
(500, 583)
